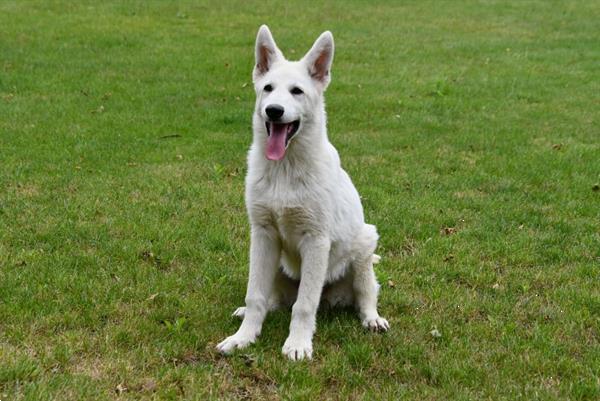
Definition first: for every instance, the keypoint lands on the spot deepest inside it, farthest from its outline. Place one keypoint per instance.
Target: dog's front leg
(265, 253)
(314, 252)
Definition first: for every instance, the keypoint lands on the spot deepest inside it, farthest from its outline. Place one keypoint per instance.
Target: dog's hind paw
(239, 312)
(378, 324)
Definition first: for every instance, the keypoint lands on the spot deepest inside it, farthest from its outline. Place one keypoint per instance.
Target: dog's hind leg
(340, 293)
(239, 312)
(365, 284)
(286, 291)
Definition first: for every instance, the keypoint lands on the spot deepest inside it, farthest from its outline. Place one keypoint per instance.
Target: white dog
(306, 219)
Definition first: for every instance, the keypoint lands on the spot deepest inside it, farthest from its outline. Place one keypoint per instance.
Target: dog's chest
(290, 200)
(292, 216)
(292, 222)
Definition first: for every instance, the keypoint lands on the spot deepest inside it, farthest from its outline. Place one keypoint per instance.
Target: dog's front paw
(239, 312)
(231, 343)
(376, 324)
(297, 349)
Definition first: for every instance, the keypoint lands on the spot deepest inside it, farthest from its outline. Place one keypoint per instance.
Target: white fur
(305, 214)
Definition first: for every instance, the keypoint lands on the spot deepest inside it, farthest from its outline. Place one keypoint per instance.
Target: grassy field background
(470, 128)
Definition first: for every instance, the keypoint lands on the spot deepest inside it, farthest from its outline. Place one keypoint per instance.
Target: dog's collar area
(289, 129)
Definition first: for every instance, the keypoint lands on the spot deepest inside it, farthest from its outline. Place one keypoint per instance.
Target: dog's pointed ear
(266, 50)
(319, 58)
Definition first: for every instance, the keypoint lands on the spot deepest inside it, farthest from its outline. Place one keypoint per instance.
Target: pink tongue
(276, 141)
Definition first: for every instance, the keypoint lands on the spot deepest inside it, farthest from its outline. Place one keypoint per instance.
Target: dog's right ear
(267, 52)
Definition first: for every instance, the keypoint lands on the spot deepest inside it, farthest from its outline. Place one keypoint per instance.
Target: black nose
(274, 111)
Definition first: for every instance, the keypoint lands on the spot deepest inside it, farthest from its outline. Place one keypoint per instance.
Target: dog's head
(288, 93)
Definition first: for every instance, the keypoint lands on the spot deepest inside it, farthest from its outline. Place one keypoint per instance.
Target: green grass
(470, 129)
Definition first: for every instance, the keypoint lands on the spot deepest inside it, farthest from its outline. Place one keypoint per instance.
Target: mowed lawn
(470, 128)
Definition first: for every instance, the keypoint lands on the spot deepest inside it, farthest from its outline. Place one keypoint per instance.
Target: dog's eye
(296, 91)
(268, 88)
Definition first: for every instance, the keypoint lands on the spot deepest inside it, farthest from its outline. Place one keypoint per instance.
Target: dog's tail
(368, 241)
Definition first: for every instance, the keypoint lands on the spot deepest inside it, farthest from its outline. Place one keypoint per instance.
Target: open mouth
(279, 138)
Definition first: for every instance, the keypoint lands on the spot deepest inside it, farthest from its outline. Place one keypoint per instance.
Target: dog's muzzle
(279, 136)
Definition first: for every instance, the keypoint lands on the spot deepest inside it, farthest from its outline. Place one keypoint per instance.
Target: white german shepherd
(308, 235)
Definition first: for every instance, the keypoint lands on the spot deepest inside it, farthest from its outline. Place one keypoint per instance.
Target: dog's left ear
(319, 58)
